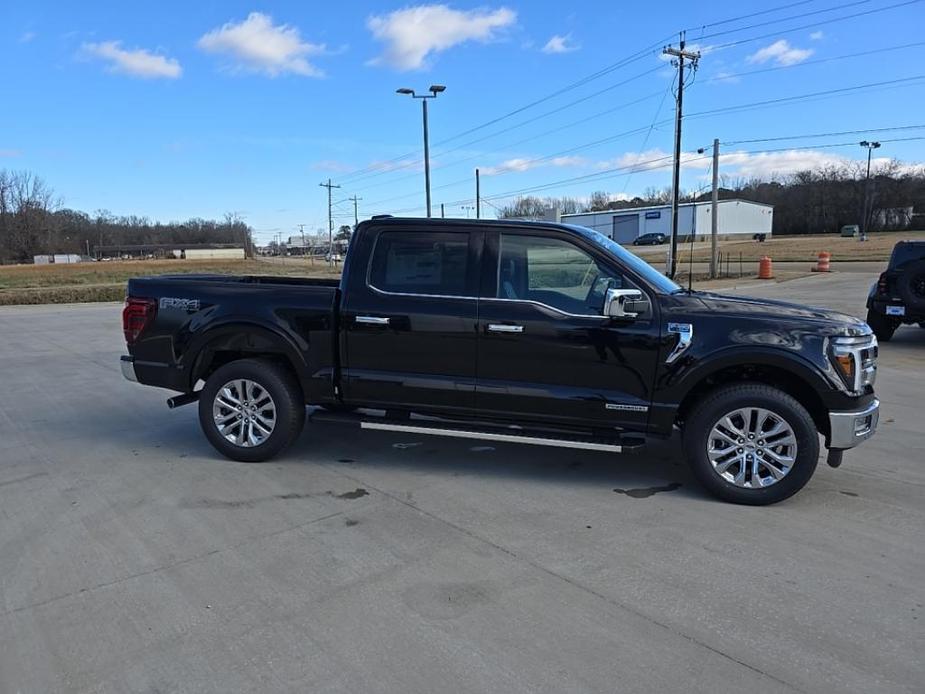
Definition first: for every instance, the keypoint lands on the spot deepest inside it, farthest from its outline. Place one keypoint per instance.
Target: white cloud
(747, 164)
(137, 62)
(653, 159)
(780, 52)
(27, 36)
(817, 36)
(257, 45)
(332, 165)
(726, 78)
(520, 164)
(560, 44)
(411, 34)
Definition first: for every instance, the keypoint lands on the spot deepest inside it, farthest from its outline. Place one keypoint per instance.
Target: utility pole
(868, 202)
(356, 214)
(680, 56)
(302, 231)
(478, 196)
(442, 212)
(330, 186)
(714, 221)
(467, 208)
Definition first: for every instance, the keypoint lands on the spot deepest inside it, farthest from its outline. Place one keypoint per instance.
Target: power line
(810, 95)
(813, 25)
(753, 14)
(640, 55)
(728, 109)
(832, 134)
(819, 61)
(785, 19)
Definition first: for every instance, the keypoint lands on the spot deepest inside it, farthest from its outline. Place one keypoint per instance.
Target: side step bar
(508, 438)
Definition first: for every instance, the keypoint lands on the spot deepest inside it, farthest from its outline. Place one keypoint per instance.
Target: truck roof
(387, 220)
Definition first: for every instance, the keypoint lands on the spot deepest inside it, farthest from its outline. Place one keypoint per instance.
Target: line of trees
(33, 222)
(809, 202)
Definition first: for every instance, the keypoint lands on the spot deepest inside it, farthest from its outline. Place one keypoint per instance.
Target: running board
(508, 438)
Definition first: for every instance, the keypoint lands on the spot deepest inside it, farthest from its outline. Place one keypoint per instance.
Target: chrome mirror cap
(615, 301)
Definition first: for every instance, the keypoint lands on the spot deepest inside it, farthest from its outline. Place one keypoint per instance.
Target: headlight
(855, 360)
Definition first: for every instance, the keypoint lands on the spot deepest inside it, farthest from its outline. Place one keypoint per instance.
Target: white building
(214, 254)
(737, 218)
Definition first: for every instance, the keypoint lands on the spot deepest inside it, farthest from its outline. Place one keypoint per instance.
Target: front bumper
(128, 368)
(848, 429)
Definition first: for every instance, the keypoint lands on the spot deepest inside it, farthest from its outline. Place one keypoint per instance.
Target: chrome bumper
(851, 428)
(128, 368)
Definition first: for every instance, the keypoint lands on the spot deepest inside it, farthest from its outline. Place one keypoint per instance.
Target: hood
(831, 322)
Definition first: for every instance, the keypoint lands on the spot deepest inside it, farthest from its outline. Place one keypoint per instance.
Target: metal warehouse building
(736, 218)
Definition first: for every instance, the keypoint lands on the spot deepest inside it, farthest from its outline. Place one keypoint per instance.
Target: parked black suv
(898, 297)
(535, 333)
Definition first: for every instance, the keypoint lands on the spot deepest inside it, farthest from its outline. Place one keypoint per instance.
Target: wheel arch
(799, 380)
(230, 341)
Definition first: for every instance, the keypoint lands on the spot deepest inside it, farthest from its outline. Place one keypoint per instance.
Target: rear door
(409, 319)
(546, 351)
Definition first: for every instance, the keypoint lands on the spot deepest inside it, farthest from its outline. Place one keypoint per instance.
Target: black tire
(726, 399)
(911, 286)
(882, 326)
(286, 395)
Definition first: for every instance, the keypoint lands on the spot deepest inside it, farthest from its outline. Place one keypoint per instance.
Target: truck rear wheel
(882, 326)
(251, 409)
(751, 444)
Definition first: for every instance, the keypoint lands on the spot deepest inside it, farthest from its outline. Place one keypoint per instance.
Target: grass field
(82, 282)
(792, 248)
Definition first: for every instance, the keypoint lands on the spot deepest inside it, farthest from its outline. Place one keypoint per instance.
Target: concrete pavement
(134, 559)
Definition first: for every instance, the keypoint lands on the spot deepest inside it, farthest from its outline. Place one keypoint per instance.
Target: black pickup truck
(537, 333)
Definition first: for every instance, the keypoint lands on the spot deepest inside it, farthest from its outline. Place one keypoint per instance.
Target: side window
(421, 263)
(554, 272)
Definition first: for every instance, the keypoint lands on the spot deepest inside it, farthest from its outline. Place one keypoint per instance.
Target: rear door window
(429, 264)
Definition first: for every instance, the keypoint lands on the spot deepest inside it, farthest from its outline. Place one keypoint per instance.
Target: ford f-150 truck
(537, 333)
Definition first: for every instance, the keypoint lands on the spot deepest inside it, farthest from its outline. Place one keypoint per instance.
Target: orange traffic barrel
(822, 264)
(765, 268)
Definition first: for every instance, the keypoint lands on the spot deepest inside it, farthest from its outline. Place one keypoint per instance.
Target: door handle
(502, 328)
(372, 320)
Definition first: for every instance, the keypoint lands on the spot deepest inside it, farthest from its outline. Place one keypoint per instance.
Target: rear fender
(246, 337)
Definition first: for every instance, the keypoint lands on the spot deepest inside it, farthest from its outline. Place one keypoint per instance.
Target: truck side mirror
(617, 301)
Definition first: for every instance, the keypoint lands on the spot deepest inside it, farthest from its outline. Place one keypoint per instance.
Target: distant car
(850, 230)
(650, 239)
(898, 296)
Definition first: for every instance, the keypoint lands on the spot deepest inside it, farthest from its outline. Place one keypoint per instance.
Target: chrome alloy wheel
(752, 447)
(244, 413)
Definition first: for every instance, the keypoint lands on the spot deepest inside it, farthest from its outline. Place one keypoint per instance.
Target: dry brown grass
(84, 282)
(792, 248)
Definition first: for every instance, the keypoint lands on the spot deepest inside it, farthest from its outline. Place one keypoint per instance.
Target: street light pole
(868, 203)
(434, 90)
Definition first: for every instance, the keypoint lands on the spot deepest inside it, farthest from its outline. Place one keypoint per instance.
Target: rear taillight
(883, 284)
(136, 316)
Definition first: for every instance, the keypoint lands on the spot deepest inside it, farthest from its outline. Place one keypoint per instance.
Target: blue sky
(177, 109)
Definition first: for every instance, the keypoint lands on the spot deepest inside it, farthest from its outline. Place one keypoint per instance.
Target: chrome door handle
(372, 320)
(502, 328)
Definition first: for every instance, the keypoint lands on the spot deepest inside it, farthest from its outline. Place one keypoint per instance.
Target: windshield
(633, 262)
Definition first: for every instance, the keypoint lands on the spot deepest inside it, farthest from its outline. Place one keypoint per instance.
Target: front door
(546, 351)
(409, 323)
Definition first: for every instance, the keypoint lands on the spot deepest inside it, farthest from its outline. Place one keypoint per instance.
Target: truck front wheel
(251, 409)
(751, 444)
